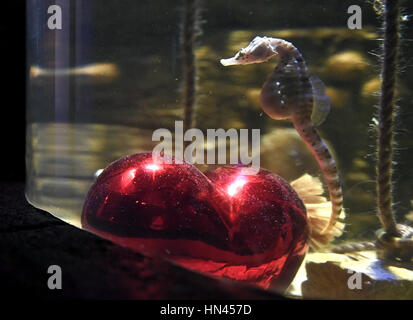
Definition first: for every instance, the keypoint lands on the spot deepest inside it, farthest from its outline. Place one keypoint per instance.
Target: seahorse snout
(259, 50)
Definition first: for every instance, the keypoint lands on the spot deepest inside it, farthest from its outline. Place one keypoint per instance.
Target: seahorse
(290, 93)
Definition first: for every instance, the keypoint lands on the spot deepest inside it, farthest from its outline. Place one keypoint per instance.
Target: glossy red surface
(251, 228)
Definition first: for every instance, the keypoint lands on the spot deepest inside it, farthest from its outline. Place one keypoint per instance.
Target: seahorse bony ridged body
(288, 93)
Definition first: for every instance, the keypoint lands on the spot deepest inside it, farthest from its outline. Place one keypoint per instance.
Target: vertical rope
(190, 31)
(386, 115)
(393, 241)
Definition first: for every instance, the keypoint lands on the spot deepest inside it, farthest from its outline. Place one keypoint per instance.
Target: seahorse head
(284, 92)
(259, 50)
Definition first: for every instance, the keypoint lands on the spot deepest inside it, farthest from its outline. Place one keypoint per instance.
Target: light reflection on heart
(251, 228)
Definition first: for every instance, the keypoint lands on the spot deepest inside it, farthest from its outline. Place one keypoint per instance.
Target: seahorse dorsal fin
(321, 107)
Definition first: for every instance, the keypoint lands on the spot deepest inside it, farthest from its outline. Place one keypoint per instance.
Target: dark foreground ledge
(92, 268)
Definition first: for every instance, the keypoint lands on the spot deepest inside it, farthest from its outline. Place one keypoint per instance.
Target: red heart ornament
(252, 228)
